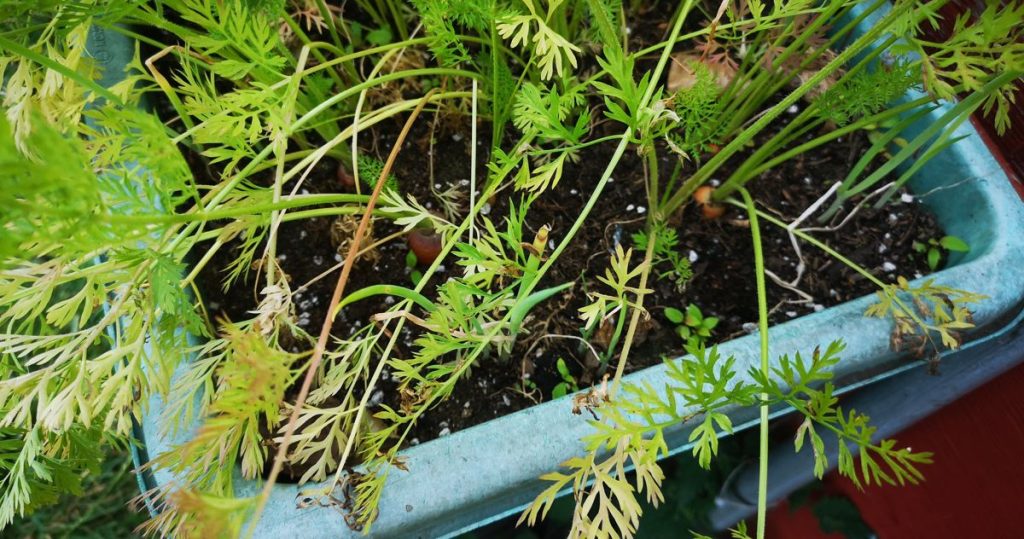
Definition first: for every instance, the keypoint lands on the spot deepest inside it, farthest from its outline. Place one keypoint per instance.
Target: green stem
(745, 174)
(354, 90)
(315, 50)
(762, 328)
(373, 11)
(398, 19)
(497, 109)
(634, 320)
(332, 211)
(386, 290)
(198, 266)
(652, 177)
(256, 209)
(518, 313)
(280, 144)
(127, 32)
(576, 147)
(332, 25)
(614, 341)
(945, 124)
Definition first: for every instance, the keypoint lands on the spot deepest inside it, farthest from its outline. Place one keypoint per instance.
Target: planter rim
(469, 478)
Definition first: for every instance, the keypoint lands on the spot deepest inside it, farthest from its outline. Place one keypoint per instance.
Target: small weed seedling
(568, 383)
(410, 263)
(529, 386)
(932, 250)
(692, 326)
(666, 254)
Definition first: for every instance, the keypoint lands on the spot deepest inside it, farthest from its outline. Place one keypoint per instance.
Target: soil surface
(720, 252)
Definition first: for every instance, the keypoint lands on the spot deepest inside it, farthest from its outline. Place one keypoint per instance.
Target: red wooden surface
(783, 521)
(975, 488)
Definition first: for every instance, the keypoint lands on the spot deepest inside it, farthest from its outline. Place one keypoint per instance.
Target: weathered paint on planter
(486, 472)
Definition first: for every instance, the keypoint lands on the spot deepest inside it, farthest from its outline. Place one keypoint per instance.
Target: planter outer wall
(483, 473)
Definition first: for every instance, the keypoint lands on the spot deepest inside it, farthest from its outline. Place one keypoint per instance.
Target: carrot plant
(98, 294)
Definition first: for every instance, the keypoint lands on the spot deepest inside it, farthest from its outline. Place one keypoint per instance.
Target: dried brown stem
(325, 331)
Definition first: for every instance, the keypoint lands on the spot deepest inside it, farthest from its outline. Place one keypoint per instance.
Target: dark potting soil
(720, 251)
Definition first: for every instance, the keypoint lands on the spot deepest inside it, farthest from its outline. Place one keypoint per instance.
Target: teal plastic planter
(477, 475)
